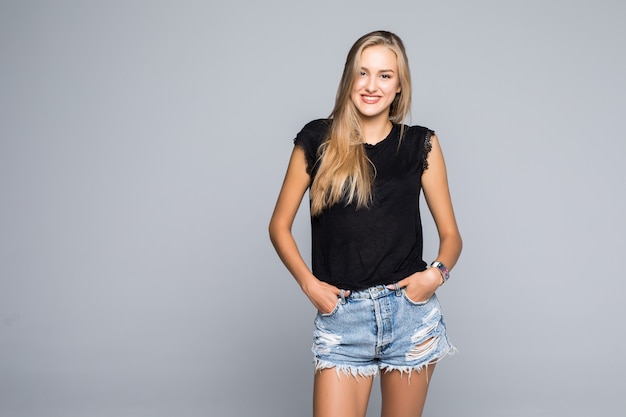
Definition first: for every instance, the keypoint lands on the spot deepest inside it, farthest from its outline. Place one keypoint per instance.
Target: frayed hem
(374, 370)
(451, 351)
(347, 370)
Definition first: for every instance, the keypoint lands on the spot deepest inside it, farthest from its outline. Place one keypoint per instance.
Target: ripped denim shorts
(380, 329)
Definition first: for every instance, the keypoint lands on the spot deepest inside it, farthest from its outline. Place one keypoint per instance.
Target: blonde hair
(345, 173)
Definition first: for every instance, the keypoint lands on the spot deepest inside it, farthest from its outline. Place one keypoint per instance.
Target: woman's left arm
(437, 194)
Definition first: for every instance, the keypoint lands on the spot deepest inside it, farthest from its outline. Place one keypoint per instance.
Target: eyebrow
(382, 70)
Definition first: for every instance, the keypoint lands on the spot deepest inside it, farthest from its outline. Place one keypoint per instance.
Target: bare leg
(404, 397)
(340, 395)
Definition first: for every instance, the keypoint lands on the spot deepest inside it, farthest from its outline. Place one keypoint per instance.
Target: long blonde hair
(345, 174)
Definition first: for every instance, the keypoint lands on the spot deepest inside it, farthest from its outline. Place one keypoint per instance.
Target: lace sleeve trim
(428, 146)
(300, 145)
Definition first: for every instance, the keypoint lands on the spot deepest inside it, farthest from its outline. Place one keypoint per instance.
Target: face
(377, 82)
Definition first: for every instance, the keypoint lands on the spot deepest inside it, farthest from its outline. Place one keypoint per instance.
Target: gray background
(142, 148)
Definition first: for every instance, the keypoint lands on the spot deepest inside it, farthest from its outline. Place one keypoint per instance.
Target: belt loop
(343, 296)
(398, 290)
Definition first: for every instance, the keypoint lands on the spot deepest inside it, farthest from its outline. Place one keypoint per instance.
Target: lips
(370, 99)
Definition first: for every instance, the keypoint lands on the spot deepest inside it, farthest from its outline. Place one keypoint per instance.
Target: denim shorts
(380, 329)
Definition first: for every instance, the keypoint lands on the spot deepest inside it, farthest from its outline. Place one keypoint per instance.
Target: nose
(371, 86)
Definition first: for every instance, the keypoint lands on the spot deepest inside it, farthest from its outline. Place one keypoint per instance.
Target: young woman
(377, 309)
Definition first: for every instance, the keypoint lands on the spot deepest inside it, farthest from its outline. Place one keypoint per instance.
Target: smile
(370, 99)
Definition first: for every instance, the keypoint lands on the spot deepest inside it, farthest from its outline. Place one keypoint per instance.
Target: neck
(375, 130)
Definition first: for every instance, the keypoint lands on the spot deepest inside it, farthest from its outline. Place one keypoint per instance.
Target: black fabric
(358, 248)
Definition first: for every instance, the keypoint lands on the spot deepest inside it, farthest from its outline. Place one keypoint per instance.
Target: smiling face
(377, 82)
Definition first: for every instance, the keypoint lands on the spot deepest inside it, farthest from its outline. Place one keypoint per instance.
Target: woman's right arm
(322, 295)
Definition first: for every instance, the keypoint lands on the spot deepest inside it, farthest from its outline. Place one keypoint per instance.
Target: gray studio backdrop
(143, 144)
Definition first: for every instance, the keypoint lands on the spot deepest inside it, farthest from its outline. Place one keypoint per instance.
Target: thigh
(336, 394)
(404, 394)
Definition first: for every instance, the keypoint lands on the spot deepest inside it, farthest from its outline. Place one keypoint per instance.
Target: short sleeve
(428, 146)
(309, 139)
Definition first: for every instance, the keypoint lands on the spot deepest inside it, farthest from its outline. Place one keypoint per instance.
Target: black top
(358, 248)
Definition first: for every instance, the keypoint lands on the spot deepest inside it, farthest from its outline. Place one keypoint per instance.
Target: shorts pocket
(416, 303)
(334, 310)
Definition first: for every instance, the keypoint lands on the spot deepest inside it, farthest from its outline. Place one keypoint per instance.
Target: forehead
(378, 56)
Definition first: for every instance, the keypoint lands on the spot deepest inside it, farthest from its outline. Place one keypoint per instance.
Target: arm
(437, 194)
(322, 295)
(421, 285)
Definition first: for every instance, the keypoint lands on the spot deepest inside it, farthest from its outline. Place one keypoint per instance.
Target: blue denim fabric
(380, 329)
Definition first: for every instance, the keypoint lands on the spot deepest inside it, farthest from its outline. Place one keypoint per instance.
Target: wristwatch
(442, 269)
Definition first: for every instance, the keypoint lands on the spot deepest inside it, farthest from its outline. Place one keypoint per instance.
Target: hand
(420, 286)
(323, 295)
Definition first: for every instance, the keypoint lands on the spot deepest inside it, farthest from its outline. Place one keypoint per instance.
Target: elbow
(271, 230)
(453, 242)
(456, 252)
(274, 231)
(458, 242)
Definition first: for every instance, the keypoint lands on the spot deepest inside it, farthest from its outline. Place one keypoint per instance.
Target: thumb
(401, 284)
(339, 292)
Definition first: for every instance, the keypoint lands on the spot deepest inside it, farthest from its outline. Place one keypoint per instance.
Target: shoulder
(309, 140)
(317, 126)
(418, 136)
(418, 131)
(418, 141)
(313, 133)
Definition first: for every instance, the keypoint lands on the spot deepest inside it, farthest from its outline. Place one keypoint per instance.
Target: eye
(362, 73)
(386, 76)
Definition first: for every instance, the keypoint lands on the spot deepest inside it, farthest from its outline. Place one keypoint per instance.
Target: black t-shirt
(358, 248)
